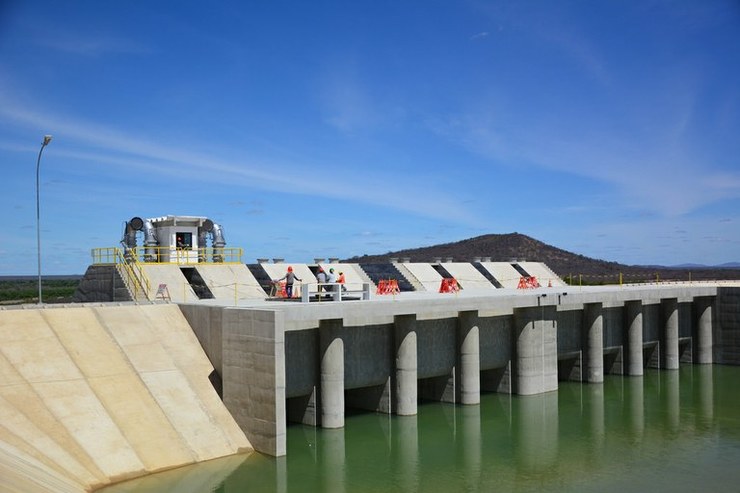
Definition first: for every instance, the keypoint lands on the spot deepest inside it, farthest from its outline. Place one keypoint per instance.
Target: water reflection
(676, 429)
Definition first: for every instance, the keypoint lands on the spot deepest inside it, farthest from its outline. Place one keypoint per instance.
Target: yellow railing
(133, 274)
(168, 255)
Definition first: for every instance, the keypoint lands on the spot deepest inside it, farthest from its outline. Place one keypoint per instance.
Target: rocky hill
(507, 247)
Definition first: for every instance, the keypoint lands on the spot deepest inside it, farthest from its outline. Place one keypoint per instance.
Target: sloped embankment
(94, 395)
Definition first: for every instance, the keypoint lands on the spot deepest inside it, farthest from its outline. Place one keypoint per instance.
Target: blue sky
(332, 129)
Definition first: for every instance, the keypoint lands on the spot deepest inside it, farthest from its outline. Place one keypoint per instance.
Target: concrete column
(669, 336)
(593, 344)
(702, 332)
(331, 351)
(405, 402)
(633, 339)
(536, 359)
(468, 358)
(254, 376)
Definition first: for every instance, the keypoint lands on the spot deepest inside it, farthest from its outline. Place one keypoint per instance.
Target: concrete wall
(727, 330)
(307, 363)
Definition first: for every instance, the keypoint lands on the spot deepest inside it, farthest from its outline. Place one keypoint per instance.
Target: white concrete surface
(95, 395)
(504, 273)
(351, 274)
(171, 276)
(542, 272)
(230, 281)
(302, 272)
(429, 278)
(468, 276)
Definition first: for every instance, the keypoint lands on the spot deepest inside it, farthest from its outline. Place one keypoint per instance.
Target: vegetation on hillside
(572, 267)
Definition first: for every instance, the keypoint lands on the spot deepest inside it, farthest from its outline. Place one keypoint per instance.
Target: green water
(673, 431)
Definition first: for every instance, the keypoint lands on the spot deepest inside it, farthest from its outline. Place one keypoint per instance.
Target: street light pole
(47, 139)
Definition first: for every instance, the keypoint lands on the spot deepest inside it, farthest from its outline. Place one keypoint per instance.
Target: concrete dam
(93, 393)
(178, 353)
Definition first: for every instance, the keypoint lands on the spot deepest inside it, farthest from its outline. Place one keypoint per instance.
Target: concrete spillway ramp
(353, 275)
(429, 279)
(542, 272)
(95, 395)
(468, 276)
(231, 282)
(276, 271)
(169, 275)
(504, 273)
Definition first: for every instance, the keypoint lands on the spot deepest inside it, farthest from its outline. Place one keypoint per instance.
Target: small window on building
(184, 241)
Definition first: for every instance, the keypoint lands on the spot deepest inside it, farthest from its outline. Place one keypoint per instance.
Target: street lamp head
(47, 139)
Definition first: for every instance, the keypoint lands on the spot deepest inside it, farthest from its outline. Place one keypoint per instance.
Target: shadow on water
(668, 431)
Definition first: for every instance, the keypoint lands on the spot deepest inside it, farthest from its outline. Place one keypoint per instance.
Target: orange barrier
(449, 285)
(528, 283)
(387, 286)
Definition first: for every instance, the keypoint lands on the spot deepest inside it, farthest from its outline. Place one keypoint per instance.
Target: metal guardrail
(133, 275)
(169, 255)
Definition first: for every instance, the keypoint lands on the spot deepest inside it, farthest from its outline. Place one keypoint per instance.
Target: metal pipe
(219, 242)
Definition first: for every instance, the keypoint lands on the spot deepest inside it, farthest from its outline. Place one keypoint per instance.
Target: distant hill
(516, 246)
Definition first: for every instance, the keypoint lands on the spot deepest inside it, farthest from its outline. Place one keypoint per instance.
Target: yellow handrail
(133, 272)
(170, 255)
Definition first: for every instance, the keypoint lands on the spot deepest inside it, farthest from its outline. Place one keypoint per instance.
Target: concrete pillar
(405, 402)
(536, 359)
(669, 335)
(468, 358)
(702, 332)
(633, 339)
(331, 351)
(593, 344)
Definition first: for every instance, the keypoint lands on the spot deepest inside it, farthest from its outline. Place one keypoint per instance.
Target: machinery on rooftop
(174, 239)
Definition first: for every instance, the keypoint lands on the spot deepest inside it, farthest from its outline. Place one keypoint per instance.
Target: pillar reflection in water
(536, 430)
(593, 396)
(405, 452)
(332, 461)
(704, 397)
(634, 392)
(469, 443)
(672, 399)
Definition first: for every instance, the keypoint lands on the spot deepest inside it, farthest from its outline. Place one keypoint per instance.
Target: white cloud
(102, 145)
